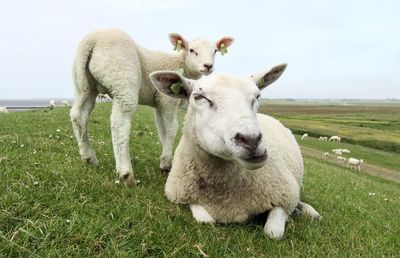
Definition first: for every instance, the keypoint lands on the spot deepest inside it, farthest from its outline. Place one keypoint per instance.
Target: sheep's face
(224, 113)
(199, 53)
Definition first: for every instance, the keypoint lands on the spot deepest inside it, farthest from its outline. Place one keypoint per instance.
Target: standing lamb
(341, 160)
(335, 138)
(3, 110)
(354, 163)
(304, 136)
(232, 163)
(52, 104)
(325, 155)
(110, 62)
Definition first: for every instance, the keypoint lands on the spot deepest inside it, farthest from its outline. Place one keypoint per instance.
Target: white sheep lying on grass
(345, 150)
(52, 103)
(355, 163)
(337, 151)
(325, 155)
(304, 136)
(110, 62)
(232, 163)
(3, 110)
(335, 138)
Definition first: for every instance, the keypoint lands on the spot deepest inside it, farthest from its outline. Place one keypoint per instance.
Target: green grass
(77, 210)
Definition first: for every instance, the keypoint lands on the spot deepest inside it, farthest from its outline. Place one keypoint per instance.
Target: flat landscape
(51, 204)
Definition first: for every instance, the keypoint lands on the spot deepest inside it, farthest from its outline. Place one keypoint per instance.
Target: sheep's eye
(215, 51)
(200, 97)
(192, 51)
(258, 96)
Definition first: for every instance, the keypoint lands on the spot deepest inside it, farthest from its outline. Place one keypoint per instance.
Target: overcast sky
(335, 49)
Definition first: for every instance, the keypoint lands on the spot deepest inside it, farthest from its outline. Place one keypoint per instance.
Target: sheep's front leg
(120, 129)
(167, 127)
(200, 214)
(275, 225)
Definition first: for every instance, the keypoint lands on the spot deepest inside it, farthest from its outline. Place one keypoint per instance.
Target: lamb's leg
(275, 225)
(121, 116)
(308, 210)
(167, 126)
(84, 103)
(200, 214)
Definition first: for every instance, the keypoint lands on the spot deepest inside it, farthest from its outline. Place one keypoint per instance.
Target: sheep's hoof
(91, 161)
(165, 169)
(127, 180)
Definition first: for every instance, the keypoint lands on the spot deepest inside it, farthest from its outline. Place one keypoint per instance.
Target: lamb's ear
(178, 41)
(223, 44)
(264, 79)
(172, 84)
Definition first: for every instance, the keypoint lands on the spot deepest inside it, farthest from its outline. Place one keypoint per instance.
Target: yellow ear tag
(223, 49)
(178, 45)
(261, 82)
(176, 87)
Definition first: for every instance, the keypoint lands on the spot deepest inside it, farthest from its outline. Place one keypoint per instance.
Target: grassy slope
(79, 211)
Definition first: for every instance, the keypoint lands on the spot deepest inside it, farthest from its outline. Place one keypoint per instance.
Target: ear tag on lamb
(178, 45)
(223, 49)
(176, 87)
(261, 82)
(180, 71)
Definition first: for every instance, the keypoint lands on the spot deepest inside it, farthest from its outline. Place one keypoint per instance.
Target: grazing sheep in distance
(3, 110)
(325, 155)
(354, 163)
(52, 103)
(232, 163)
(65, 103)
(110, 62)
(337, 151)
(304, 136)
(345, 150)
(323, 138)
(335, 138)
(341, 160)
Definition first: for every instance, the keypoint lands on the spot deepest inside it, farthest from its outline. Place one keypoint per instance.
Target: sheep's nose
(250, 142)
(208, 66)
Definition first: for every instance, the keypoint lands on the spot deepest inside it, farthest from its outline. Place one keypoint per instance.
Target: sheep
(52, 104)
(110, 62)
(304, 136)
(337, 151)
(324, 138)
(341, 160)
(345, 150)
(3, 110)
(325, 155)
(232, 163)
(65, 103)
(335, 138)
(354, 163)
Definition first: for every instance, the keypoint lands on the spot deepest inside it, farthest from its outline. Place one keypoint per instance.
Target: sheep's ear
(172, 84)
(223, 44)
(262, 80)
(178, 41)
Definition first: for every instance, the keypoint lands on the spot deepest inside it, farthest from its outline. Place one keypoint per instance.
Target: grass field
(51, 204)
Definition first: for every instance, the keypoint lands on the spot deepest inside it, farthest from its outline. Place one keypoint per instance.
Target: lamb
(335, 138)
(3, 110)
(345, 150)
(354, 163)
(325, 155)
(65, 103)
(323, 138)
(304, 136)
(110, 62)
(52, 103)
(232, 163)
(337, 151)
(341, 160)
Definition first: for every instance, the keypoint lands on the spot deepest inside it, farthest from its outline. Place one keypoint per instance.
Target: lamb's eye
(258, 96)
(201, 97)
(215, 51)
(192, 51)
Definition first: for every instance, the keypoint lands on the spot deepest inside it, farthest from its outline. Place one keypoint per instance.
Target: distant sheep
(325, 155)
(335, 138)
(65, 103)
(111, 62)
(3, 110)
(231, 163)
(323, 138)
(341, 160)
(304, 136)
(355, 163)
(345, 150)
(337, 151)
(52, 103)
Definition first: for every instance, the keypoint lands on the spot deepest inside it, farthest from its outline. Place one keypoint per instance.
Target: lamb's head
(199, 53)
(223, 112)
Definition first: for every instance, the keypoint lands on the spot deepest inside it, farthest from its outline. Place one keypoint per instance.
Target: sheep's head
(199, 53)
(223, 108)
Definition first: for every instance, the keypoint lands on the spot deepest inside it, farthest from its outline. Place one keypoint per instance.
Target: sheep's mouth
(206, 72)
(255, 159)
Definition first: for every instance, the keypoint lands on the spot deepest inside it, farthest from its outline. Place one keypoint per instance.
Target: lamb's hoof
(274, 231)
(127, 180)
(91, 161)
(165, 169)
